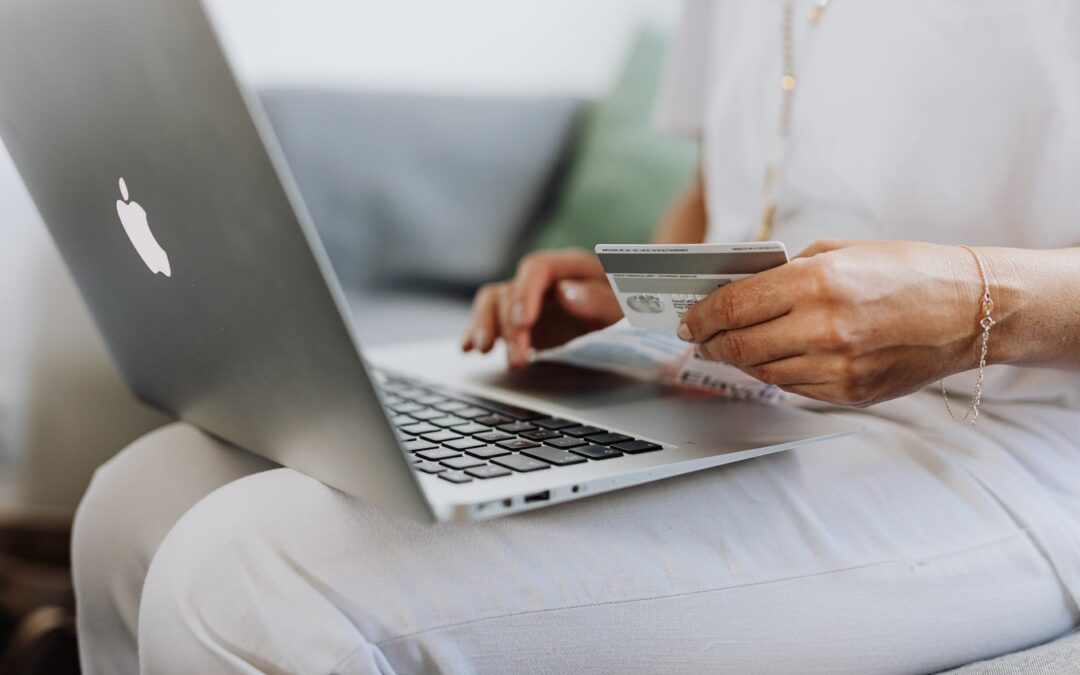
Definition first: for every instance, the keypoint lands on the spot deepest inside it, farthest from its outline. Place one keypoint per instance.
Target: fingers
(516, 337)
(794, 371)
(492, 319)
(766, 342)
(818, 392)
(836, 379)
(538, 272)
(592, 301)
(481, 333)
(510, 310)
(830, 393)
(764, 296)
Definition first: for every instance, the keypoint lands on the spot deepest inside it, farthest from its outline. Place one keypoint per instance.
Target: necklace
(788, 83)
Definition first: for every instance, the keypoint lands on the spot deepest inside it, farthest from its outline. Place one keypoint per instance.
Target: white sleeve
(680, 108)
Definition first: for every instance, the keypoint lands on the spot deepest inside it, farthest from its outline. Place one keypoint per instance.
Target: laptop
(167, 195)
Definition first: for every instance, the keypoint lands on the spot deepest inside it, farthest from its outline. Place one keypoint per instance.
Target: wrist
(963, 306)
(1011, 341)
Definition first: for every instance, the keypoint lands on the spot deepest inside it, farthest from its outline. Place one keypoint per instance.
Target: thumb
(589, 300)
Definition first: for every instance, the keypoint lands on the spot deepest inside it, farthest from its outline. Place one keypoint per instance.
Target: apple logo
(133, 218)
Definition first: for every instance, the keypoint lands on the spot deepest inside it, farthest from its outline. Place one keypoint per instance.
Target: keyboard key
(463, 462)
(634, 447)
(492, 420)
(464, 443)
(441, 436)
(554, 423)
(430, 399)
(487, 451)
(582, 431)
(608, 439)
(438, 453)
(418, 444)
(427, 414)
(540, 434)
(564, 442)
(429, 467)
(472, 413)
(412, 392)
(406, 407)
(419, 429)
(402, 420)
(521, 463)
(470, 429)
(455, 477)
(511, 411)
(554, 456)
(596, 452)
(494, 436)
(487, 471)
(448, 421)
(515, 427)
(390, 401)
(451, 406)
(517, 444)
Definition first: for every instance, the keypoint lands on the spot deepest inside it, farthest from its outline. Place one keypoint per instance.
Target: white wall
(528, 46)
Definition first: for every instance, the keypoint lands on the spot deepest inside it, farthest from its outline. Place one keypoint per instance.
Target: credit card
(657, 283)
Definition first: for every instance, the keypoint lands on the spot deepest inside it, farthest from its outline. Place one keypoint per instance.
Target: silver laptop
(168, 198)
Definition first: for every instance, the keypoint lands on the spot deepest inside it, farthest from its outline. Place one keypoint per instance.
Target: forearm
(686, 220)
(1036, 305)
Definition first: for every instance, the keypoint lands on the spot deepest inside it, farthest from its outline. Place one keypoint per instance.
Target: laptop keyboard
(462, 438)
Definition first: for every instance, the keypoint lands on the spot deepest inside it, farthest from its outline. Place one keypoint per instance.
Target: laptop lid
(171, 206)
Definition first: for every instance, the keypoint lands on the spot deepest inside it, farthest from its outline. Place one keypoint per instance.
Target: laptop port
(538, 497)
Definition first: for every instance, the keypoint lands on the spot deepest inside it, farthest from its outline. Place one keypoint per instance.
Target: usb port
(538, 497)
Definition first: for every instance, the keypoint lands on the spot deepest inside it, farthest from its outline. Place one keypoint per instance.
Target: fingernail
(571, 292)
(517, 314)
(684, 333)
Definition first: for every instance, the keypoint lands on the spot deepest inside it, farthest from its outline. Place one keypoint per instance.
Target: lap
(841, 556)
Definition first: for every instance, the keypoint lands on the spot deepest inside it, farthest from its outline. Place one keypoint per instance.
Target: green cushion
(623, 175)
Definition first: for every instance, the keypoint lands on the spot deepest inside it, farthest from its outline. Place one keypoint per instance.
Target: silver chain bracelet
(986, 323)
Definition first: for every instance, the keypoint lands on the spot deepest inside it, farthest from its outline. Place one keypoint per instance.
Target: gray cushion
(410, 186)
(1060, 657)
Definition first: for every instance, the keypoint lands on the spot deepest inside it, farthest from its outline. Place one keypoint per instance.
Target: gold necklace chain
(788, 84)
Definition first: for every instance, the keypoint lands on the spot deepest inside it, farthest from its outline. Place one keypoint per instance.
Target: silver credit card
(657, 283)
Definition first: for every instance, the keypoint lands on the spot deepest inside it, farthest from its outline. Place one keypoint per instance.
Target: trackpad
(642, 408)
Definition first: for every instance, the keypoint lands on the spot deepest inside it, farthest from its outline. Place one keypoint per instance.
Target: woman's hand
(554, 297)
(852, 323)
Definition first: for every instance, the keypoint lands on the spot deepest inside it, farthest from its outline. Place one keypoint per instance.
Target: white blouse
(950, 122)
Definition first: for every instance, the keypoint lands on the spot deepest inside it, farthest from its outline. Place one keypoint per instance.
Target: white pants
(916, 545)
